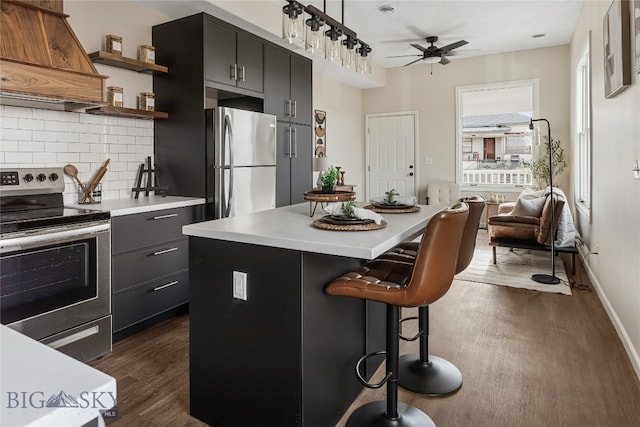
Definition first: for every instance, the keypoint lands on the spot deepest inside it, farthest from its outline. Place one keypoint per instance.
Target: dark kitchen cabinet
(288, 92)
(149, 266)
(293, 163)
(287, 86)
(232, 57)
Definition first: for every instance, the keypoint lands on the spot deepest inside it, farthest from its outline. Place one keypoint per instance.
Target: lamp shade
(320, 163)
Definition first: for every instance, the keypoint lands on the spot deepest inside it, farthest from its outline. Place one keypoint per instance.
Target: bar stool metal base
(437, 377)
(373, 415)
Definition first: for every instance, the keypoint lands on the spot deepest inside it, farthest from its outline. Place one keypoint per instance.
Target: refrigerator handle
(295, 143)
(229, 131)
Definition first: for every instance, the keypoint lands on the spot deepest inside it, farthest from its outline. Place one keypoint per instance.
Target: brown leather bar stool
(422, 372)
(401, 284)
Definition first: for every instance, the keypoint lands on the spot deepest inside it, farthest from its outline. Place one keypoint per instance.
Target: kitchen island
(285, 354)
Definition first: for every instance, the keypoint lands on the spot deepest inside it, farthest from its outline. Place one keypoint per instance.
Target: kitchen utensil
(96, 180)
(72, 171)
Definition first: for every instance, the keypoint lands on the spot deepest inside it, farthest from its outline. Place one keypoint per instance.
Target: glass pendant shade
(332, 44)
(315, 35)
(293, 23)
(349, 54)
(364, 59)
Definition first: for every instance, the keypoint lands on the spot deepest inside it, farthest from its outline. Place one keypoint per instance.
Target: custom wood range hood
(42, 63)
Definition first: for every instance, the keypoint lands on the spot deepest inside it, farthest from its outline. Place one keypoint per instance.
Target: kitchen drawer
(131, 232)
(149, 263)
(137, 304)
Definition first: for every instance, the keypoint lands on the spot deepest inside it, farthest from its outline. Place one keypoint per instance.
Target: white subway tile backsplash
(32, 137)
(29, 124)
(10, 122)
(18, 134)
(9, 145)
(17, 157)
(33, 146)
(18, 112)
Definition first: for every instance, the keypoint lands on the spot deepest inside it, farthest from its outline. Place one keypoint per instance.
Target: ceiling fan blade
(452, 46)
(404, 56)
(444, 60)
(420, 48)
(413, 62)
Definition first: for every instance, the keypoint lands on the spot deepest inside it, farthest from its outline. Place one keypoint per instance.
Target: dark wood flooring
(528, 359)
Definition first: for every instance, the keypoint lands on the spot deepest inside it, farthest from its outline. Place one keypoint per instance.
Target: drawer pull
(166, 251)
(157, 288)
(74, 337)
(165, 216)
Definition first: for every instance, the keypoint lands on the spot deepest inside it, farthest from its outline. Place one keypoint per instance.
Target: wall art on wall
(636, 27)
(617, 55)
(320, 132)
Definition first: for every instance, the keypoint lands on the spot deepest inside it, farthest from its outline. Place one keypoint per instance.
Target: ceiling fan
(433, 51)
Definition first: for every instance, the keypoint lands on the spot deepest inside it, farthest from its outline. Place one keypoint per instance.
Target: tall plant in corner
(540, 167)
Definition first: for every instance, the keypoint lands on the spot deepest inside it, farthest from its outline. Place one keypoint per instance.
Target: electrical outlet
(240, 285)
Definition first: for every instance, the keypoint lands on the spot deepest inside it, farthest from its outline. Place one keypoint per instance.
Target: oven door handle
(52, 236)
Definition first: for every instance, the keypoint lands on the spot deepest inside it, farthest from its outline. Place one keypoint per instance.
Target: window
(582, 138)
(494, 147)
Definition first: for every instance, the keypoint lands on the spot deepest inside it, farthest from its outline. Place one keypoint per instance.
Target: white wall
(35, 137)
(433, 96)
(614, 227)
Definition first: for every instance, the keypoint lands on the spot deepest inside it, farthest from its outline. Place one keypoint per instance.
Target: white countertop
(290, 227)
(119, 207)
(32, 373)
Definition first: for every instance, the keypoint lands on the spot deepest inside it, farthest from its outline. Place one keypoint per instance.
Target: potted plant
(390, 196)
(328, 179)
(540, 167)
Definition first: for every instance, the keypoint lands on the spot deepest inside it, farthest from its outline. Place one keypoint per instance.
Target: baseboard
(622, 333)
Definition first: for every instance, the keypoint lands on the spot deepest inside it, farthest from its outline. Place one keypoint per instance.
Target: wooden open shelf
(109, 110)
(106, 58)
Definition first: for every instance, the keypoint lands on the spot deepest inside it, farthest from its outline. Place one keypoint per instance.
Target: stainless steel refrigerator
(243, 176)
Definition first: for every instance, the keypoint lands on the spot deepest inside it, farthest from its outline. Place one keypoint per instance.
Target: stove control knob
(28, 178)
(41, 177)
(53, 177)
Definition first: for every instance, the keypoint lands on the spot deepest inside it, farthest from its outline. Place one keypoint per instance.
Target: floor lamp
(545, 278)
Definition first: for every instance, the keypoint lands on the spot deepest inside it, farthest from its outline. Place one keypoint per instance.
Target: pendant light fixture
(364, 59)
(315, 35)
(292, 22)
(325, 35)
(332, 44)
(349, 52)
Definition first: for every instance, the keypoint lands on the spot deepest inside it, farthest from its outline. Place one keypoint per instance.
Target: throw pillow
(532, 207)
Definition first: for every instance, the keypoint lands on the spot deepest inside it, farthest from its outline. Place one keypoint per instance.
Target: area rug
(514, 268)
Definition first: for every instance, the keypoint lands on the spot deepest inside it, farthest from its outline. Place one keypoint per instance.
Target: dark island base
(285, 356)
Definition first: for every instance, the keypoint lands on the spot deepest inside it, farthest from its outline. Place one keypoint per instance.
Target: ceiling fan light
(432, 60)
(292, 22)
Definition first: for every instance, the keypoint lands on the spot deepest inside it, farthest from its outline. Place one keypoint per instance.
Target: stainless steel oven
(55, 268)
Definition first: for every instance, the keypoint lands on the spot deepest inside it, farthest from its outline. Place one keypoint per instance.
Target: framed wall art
(617, 55)
(636, 31)
(320, 133)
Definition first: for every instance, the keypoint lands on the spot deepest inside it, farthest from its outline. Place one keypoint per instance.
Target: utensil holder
(89, 197)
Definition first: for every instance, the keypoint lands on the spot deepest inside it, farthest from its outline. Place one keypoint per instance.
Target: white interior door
(391, 148)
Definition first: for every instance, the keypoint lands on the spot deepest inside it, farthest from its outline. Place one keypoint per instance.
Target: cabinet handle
(295, 109)
(287, 108)
(164, 216)
(295, 142)
(242, 73)
(166, 251)
(157, 288)
(234, 72)
(288, 136)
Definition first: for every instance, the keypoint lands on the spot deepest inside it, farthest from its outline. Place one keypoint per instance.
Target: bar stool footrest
(418, 335)
(361, 378)
(373, 414)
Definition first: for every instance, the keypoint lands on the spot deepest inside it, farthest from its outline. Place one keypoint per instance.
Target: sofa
(526, 223)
